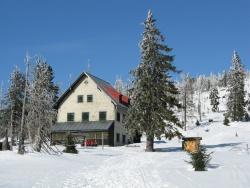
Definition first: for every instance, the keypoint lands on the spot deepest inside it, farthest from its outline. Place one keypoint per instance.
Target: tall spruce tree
(15, 102)
(119, 85)
(236, 98)
(153, 93)
(214, 99)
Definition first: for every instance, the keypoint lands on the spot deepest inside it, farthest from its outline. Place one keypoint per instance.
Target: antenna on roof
(88, 67)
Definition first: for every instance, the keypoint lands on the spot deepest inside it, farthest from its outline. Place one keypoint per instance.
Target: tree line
(28, 107)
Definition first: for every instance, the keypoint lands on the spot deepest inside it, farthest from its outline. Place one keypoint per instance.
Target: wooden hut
(191, 144)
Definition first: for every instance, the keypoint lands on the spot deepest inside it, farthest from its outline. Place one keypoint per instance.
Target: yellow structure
(191, 144)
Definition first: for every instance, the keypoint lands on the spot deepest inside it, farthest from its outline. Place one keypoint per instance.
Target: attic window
(89, 98)
(86, 82)
(80, 98)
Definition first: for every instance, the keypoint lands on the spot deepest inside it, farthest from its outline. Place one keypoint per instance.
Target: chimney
(120, 98)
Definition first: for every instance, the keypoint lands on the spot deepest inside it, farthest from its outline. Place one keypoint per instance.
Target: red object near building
(89, 142)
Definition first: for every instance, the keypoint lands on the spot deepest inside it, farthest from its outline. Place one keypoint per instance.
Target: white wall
(101, 102)
(119, 128)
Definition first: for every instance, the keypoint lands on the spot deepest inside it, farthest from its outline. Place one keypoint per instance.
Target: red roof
(116, 95)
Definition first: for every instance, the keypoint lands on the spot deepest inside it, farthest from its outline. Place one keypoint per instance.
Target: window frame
(124, 139)
(68, 116)
(89, 101)
(118, 137)
(85, 120)
(123, 118)
(78, 97)
(118, 116)
(102, 112)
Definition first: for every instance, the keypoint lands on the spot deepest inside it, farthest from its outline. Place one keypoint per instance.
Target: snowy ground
(128, 167)
(131, 167)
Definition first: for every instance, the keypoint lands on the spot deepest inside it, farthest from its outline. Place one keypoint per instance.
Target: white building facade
(91, 109)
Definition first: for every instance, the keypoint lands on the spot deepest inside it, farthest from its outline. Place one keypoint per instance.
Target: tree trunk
(13, 143)
(199, 106)
(150, 143)
(6, 145)
(21, 148)
(38, 143)
(199, 111)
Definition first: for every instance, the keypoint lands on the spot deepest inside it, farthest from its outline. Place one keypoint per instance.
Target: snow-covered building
(91, 109)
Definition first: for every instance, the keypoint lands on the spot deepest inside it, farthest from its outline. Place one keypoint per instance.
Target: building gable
(119, 99)
(85, 87)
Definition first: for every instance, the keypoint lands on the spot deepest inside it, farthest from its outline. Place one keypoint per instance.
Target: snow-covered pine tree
(236, 83)
(186, 98)
(223, 80)
(70, 146)
(1, 111)
(199, 88)
(15, 102)
(214, 99)
(127, 87)
(42, 96)
(200, 159)
(153, 93)
(1, 96)
(213, 80)
(119, 85)
(248, 102)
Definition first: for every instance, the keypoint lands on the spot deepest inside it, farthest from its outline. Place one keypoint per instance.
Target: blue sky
(203, 34)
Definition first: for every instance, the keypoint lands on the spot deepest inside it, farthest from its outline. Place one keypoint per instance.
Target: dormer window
(80, 98)
(89, 98)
